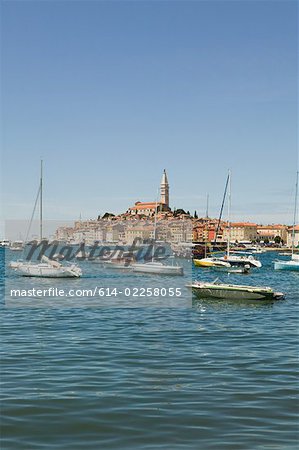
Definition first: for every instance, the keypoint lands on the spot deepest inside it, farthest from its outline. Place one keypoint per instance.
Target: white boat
(17, 246)
(235, 259)
(255, 249)
(293, 263)
(47, 268)
(229, 260)
(218, 290)
(5, 243)
(157, 267)
(211, 261)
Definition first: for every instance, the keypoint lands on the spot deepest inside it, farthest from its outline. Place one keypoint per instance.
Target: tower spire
(164, 190)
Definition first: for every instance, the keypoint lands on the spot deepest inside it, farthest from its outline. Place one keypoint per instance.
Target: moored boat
(210, 262)
(218, 290)
(157, 267)
(292, 264)
(47, 268)
(238, 259)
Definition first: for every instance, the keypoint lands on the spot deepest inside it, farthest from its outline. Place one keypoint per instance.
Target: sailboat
(230, 261)
(293, 263)
(234, 258)
(209, 261)
(157, 267)
(46, 268)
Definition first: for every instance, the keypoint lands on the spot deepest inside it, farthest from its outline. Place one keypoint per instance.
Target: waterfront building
(270, 232)
(240, 231)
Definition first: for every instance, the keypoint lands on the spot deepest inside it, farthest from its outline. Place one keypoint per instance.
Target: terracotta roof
(243, 224)
(146, 205)
(271, 227)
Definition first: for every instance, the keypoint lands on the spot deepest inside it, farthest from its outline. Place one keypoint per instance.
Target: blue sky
(111, 93)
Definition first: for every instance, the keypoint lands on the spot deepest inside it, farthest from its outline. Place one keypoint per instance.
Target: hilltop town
(149, 220)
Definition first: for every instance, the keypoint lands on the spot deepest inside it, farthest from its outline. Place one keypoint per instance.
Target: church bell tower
(164, 190)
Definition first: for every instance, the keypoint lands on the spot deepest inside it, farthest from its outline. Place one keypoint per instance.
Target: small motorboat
(240, 259)
(220, 264)
(218, 290)
(210, 262)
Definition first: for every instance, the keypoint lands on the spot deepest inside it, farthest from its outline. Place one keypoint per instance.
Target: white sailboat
(230, 260)
(157, 267)
(46, 268)
(293, 263)
(233, 258)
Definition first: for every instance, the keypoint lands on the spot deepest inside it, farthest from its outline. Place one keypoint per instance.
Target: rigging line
(295, 214)
(221, 209)
(33, 212)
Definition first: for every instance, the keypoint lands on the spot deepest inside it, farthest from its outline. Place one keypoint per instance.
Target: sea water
(149, 372)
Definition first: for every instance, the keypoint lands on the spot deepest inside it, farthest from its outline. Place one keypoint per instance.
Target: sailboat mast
(41, 202)
(207, 210)
(295, 215)
(155, 229)
(228, 212)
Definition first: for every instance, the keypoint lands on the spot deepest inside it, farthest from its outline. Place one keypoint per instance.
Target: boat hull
(46, 271)
(210, 262)
(286, 265)
(241, 261)
(158, 269)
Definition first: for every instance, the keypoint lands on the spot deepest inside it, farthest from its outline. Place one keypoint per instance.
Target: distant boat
(47, 268)
(254, 249)
(5, 243)
(17, 246)
(156, 267)
(217, 290)
(293, 263)
(210, 261)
